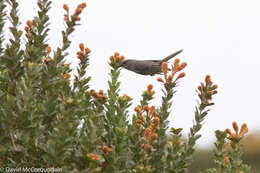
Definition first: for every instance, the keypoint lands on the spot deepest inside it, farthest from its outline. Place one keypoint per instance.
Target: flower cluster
(126, 97)
(116, 59)
(94, 157)
(106, 149)
(206, 91)
(124, 100)
(67, 76)
(150, 90)
(150, 121)
(226, 160)
(176, 67)
(28, 28)
(238, 133)
(99, 95)
(83, 51)
(148, 93)
(47, 59)
(69, 101)
(77, 12)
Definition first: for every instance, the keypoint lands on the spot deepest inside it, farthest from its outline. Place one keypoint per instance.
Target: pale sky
(219, 37)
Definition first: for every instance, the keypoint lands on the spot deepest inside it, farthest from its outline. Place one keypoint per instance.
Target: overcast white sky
(220, 38)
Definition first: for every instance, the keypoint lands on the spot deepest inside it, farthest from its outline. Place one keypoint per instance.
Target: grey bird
(146, 67)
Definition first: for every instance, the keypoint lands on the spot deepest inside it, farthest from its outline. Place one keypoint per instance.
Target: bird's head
(127, 64)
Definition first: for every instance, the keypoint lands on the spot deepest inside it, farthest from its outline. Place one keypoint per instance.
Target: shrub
(48, 120)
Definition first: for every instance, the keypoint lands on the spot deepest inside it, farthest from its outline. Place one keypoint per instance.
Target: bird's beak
(121, 64)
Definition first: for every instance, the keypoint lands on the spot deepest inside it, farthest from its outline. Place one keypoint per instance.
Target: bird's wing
(156, 67)
(147, 67)
(156, 63)
(171, 56)
(141, 67)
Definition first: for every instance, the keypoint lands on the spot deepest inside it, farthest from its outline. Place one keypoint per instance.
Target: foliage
(47, 120)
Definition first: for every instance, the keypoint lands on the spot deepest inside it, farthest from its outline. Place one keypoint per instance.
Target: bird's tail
(171, 56)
